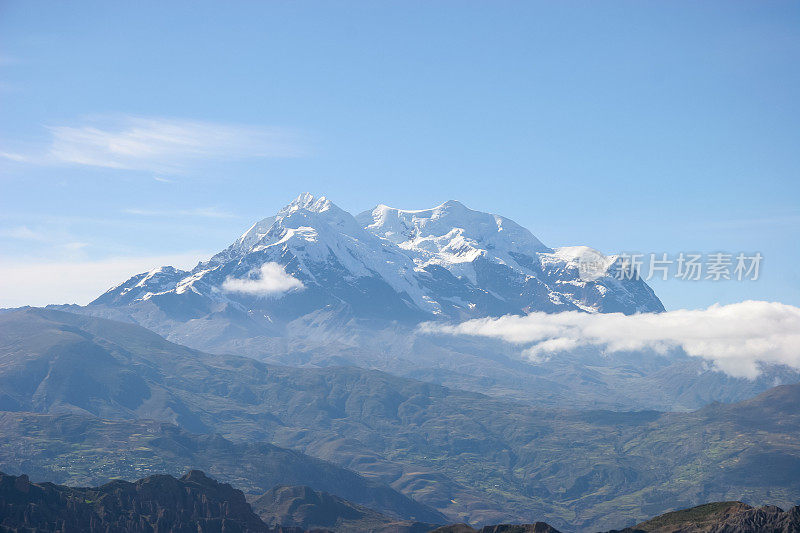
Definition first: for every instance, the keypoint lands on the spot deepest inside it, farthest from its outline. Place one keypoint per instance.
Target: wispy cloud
(737, 339)
(159, 145)
(203, 212)
(58, 240)
(23, 233)
(46, 282)
(74, 245)
(270, 280)
(13, 156)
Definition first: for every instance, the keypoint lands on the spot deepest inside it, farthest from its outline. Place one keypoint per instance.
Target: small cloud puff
(736, 339)
(271, 280)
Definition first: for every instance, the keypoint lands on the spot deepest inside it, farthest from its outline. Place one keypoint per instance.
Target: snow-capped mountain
(315, 286)
(449, 262)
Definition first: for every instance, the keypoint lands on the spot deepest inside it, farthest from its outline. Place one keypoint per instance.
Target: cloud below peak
(269, 280)
(737, 338)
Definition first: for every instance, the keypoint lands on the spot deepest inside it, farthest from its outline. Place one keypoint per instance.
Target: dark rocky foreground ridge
(160, 503)
(723, 517)
(197, 503)
(192, 503)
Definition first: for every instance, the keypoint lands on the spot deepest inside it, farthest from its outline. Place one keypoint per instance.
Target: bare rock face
(193, 503)
(723, 517)
(309, 509)
(537, 527)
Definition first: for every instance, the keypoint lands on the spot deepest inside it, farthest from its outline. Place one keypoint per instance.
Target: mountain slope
(537, 527)
(723, 517)
(79, 450)
(198, 503)
(470, 456)
(306, 508)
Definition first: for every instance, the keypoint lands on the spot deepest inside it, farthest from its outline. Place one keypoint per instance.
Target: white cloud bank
(735, 338)
(159, 144)
(271, 280)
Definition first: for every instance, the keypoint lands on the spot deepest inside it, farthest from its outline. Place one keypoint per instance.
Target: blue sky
(139, 133)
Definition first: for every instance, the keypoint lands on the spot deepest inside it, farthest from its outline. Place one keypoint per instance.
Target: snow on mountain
(314, 239)
(449, 261)
(451, 235)
(493, 253)
(143, 286)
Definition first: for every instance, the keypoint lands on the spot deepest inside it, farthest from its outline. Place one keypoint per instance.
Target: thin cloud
(160, 145)
(55, 243)
(74, 246)
(16, 157)
(270, 280)
(736, 339)
(23, 233)
(204, 212)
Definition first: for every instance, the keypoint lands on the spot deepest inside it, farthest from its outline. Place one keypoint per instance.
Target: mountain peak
(383, 209)
(198, 476)
(298, 210)
(308, 202)
(451, 204)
